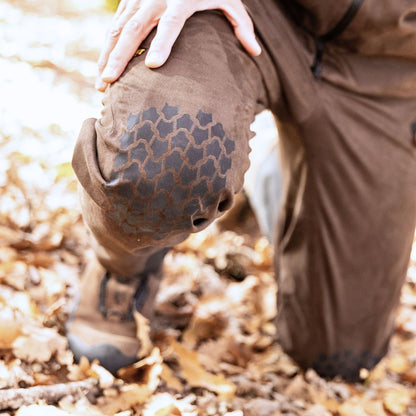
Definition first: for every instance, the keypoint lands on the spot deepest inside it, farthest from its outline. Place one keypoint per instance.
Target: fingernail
(153, 59)
(100, 85)
(256, 48)
(108, 74)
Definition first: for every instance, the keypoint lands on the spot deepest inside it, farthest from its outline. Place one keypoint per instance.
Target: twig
(15, 398)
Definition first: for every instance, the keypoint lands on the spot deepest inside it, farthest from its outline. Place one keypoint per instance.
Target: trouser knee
(169, 173)
(171, 148)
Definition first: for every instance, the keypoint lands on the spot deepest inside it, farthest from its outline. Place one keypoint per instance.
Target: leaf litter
(213, 350)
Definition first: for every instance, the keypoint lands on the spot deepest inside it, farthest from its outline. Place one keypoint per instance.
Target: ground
(215, 351)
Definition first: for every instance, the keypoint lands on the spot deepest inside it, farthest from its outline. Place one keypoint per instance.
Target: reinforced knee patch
(170, 172)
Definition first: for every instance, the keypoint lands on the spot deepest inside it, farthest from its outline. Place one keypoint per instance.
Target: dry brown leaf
(317, 410)
(12, 374)
(397, 400)
(208, 321)
(130, 395)
(406, 321)
(213, 352)
(20, 302)
(377, 373)
(9, 236)
(82, 407)
(298, 388)
(262, 407)
(146, 371)
(272, 360)
(45, 237)
(41, 379)
(196, 376)
(39, 344)
(254, 300)
(53, 285)
(175, 299)
(170, 410)
(351, 408)
(4, 375)
(143, 334)
(81, 371)
(410, 376)
(105, 377)
(14, 274)
(40, 259)
(10, 327)
(407, 346)
(374, 407)
(265, 251)
(398, 364)
(163, 404)
(320, 395)
(170, 379)
(7, 254)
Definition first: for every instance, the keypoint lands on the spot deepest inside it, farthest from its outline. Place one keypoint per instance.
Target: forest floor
(215, 353)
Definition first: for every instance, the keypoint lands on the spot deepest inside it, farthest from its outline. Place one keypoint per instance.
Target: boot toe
(108, 355)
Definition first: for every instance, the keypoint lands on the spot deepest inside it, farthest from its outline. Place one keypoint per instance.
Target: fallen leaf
(196, 376)
(351, 409)
(81, 408)
(105, 377)
(53, 285)
(374, 407)
(170, 379)
(10, 327)
(262, 407)
(208, 321)
(163, 404)
(146, 371)
(38, 344)
(14, 274)
(213, 352)
(397, 400)
(130, 395)
(317, 410)
(398, 364)
(143, 334)
(410, 375)
(20, 302)
(298, 388)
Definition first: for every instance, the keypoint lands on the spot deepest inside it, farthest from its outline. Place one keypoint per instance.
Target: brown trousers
(171, 148)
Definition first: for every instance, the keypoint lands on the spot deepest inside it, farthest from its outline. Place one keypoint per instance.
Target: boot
(102, 326)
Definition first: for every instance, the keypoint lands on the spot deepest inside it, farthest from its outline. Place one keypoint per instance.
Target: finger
(243, 28)
(108, 45)
(100, 85)
(237, 15)
(169, 27)
(120, 9)
(123, 14)
(132, 35)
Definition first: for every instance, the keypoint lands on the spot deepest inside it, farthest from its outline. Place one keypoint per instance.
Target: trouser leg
(346, 229)
(349, 204)
(171, 147)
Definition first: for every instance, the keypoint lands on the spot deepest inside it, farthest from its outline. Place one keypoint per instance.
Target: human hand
(135, 19)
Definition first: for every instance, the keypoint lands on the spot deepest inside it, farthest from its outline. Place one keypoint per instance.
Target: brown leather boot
(103, 325)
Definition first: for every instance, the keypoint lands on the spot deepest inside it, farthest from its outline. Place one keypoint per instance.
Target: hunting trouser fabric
(170, 151)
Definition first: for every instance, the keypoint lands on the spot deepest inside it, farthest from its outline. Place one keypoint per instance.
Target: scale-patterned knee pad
(170, 172)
